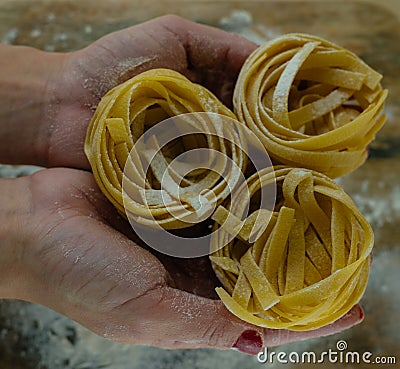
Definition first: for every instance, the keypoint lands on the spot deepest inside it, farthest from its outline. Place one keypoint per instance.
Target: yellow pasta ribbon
(308, 268)
(121, 118)
(312, 103)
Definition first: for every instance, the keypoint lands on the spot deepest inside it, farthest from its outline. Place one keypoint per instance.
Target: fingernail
(250, 342)
(371, 259)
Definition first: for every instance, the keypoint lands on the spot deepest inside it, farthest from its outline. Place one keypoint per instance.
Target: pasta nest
(312, 103)
(134, 107)
(307, 266)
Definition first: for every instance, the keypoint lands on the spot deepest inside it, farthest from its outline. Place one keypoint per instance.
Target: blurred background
(32, 336)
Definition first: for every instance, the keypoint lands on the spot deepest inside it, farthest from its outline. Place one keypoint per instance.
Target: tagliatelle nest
(312, 103)
(310, 264)
(299, 265)
(132, 108)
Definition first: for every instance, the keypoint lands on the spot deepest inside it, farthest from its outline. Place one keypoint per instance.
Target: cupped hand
(77, 260)
(204, 54)
(72, 252)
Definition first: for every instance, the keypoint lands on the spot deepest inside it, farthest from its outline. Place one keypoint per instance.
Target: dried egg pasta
(121, 118)
(308, 268)
(312, 103)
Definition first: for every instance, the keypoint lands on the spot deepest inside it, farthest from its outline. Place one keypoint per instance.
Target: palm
(84, 268)
(70, 208)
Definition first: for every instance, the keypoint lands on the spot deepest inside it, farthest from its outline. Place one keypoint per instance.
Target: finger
(172, 318)
(208, 47)
(281, 336)
(174, 42)
(204, 54)
(213, 57)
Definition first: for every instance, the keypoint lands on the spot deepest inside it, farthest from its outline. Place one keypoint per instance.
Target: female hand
(61, 248)
(57, 97)
(63, 245)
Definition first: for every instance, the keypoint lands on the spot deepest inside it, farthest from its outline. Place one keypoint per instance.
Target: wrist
(14, 214)
(25, 74)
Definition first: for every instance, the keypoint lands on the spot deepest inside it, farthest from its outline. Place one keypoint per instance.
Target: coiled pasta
(310, 264)
(129, 110)
(312, 103)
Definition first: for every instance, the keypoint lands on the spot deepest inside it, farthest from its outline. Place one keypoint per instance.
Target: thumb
(172, 318)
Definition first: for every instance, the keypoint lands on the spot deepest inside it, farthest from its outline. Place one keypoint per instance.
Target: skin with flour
(63, 245)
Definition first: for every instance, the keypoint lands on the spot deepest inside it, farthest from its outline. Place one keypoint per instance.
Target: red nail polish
(250, 342)
(371, 259)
